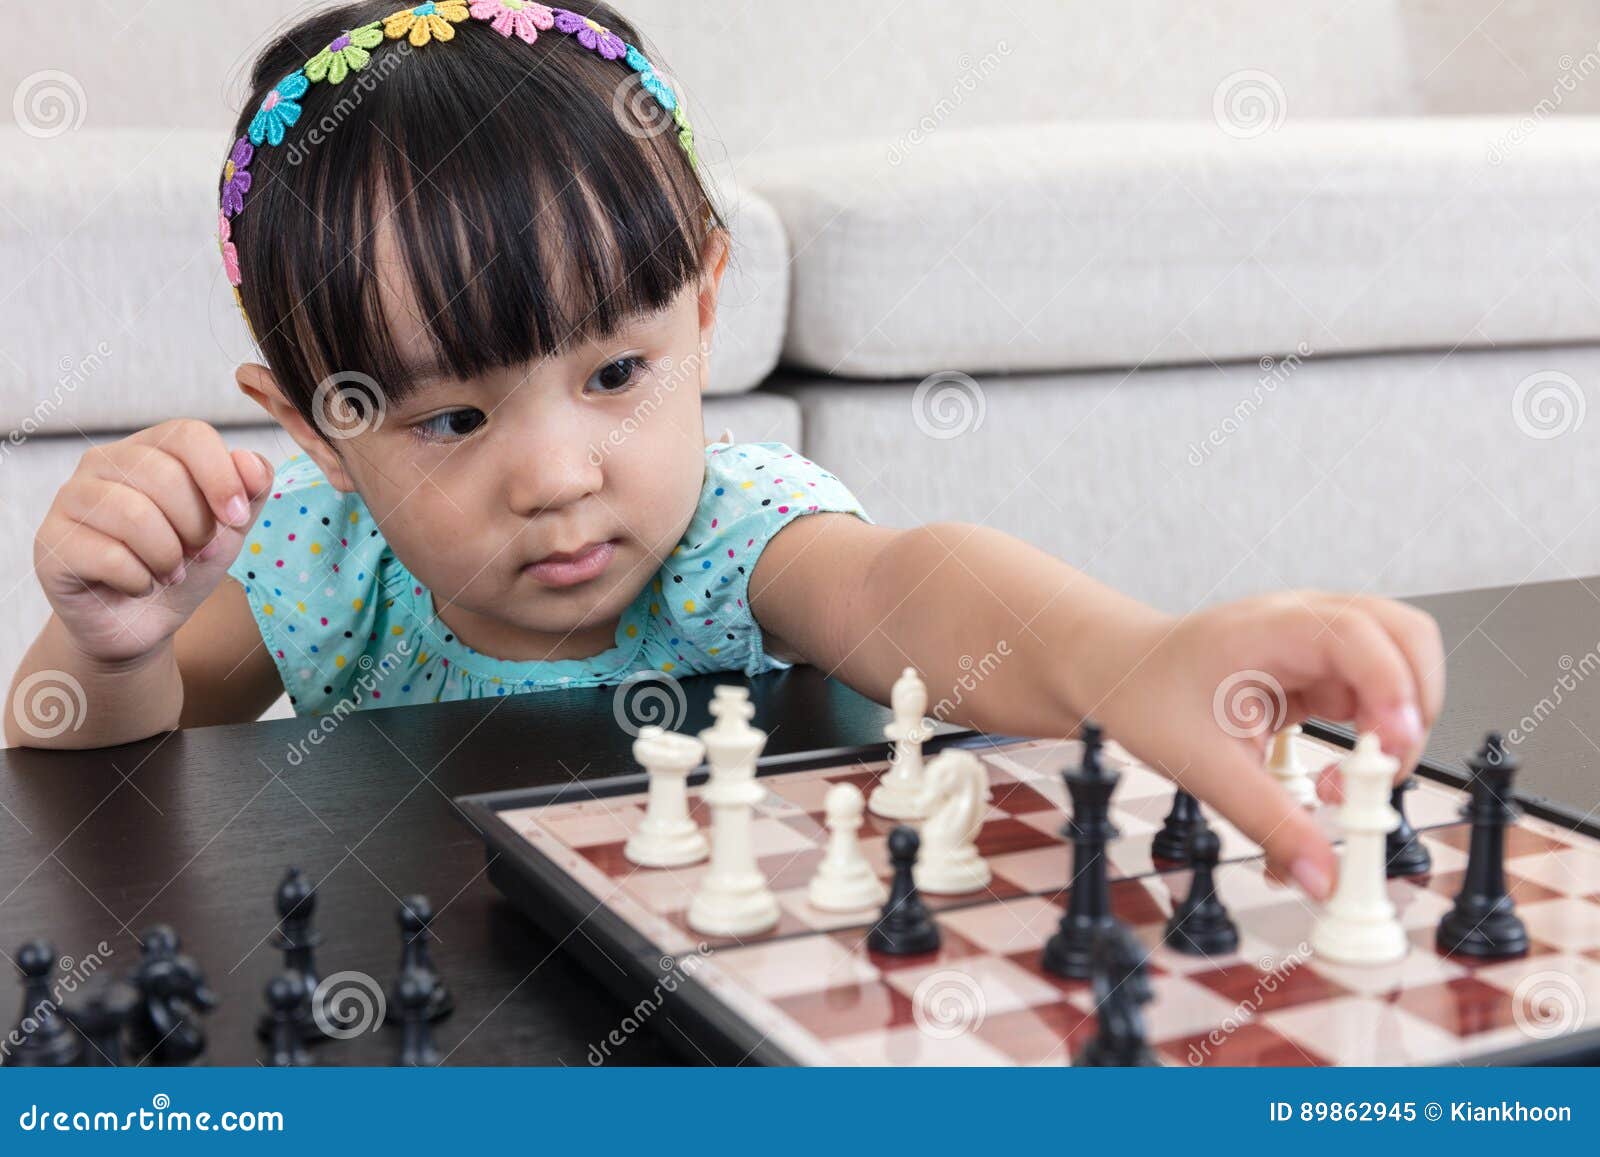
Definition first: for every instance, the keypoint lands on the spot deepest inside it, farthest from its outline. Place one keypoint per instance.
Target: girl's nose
(550, 471)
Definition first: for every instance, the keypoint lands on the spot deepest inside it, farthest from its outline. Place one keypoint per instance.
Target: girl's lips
(565, 570)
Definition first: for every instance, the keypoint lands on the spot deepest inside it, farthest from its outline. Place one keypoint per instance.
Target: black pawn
(1171, 843)
(1200, 926)
(414, 994)
(415, 916)
(1484, 923)
(46, 1039)
(101, 1018)
(904, 927)
(298, 940)
(1070, 952)
(1403, 851)
(286, 1002)
(1121, 990)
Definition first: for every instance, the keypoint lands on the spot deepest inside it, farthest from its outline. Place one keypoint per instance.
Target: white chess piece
(733, 899)
(956, 788)
(667, 837)
(1359, 925)
(844, 881)
(1290, 770)
(898, 795)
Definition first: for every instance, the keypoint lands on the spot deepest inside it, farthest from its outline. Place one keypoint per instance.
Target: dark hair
(537, 196)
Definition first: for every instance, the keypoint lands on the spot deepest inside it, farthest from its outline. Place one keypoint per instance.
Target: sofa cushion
(1064, 246)
(117, 314)
(1185, 485)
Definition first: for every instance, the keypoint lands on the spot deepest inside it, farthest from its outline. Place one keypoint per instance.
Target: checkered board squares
(812, 988)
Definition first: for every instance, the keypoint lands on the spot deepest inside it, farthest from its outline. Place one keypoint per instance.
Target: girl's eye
(450, 426)
(618, 375)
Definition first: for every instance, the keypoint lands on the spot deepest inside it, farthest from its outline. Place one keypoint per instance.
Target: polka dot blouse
(347, 624)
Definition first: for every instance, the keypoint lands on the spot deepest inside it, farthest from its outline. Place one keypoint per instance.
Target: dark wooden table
(195, 828)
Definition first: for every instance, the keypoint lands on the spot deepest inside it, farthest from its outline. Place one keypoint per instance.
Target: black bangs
(518, 199)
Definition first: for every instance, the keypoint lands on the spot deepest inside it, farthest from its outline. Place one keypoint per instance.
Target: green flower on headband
(349, 53)
(685, 134)
(425, 22)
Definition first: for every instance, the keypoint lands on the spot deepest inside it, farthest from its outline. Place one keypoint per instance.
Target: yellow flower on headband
(425, 22)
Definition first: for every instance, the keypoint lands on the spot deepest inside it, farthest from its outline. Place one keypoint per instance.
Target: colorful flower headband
(352, 51)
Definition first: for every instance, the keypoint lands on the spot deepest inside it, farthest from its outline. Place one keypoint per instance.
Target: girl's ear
(258, 384)
(714, 261)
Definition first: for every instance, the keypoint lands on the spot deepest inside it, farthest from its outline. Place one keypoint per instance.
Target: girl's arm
(1011, 640)
(143, 634)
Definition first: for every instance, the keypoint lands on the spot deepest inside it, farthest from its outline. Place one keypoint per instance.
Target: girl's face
(536, 502)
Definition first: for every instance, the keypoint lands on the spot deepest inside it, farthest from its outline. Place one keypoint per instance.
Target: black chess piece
(1200, 925)
(1484, 923)
(414, 995)
(101, 1017)
(298, 940)
(904, 927)
(415, 916)
(1171, 843)
(287, 997)
(167, 1027)
(1070, 952)
(1403, 851)
(1121, 990)
(42, 1038)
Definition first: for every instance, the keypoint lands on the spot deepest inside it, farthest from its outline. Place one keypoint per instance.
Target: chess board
(810, 992)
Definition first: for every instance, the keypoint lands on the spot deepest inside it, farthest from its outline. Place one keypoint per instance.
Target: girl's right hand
(143, 532)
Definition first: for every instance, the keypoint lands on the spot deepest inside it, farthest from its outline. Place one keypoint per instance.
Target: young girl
(475, 250)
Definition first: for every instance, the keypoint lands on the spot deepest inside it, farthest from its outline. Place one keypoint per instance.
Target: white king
(1359, 926)
(733, 899)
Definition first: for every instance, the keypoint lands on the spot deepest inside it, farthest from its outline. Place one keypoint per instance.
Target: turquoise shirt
(350, 628)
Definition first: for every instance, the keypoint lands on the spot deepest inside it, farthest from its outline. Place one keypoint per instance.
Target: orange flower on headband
(425, 22)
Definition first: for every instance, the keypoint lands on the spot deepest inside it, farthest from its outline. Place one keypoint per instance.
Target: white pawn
(667, 837)
(1290, 770)
(733, 899)
(957, 798)
(1359, 925)
(844, 881)
(899, 795)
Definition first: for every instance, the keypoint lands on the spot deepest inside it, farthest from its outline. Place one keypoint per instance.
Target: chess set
(975, 899)
(156, 1015)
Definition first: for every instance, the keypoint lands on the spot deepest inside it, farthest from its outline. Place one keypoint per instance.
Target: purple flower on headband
(235, 177)
(595, 37)
(280, 109)
(523, 17)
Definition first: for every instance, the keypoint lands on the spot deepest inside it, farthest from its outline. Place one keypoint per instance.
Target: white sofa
(1204, 302)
